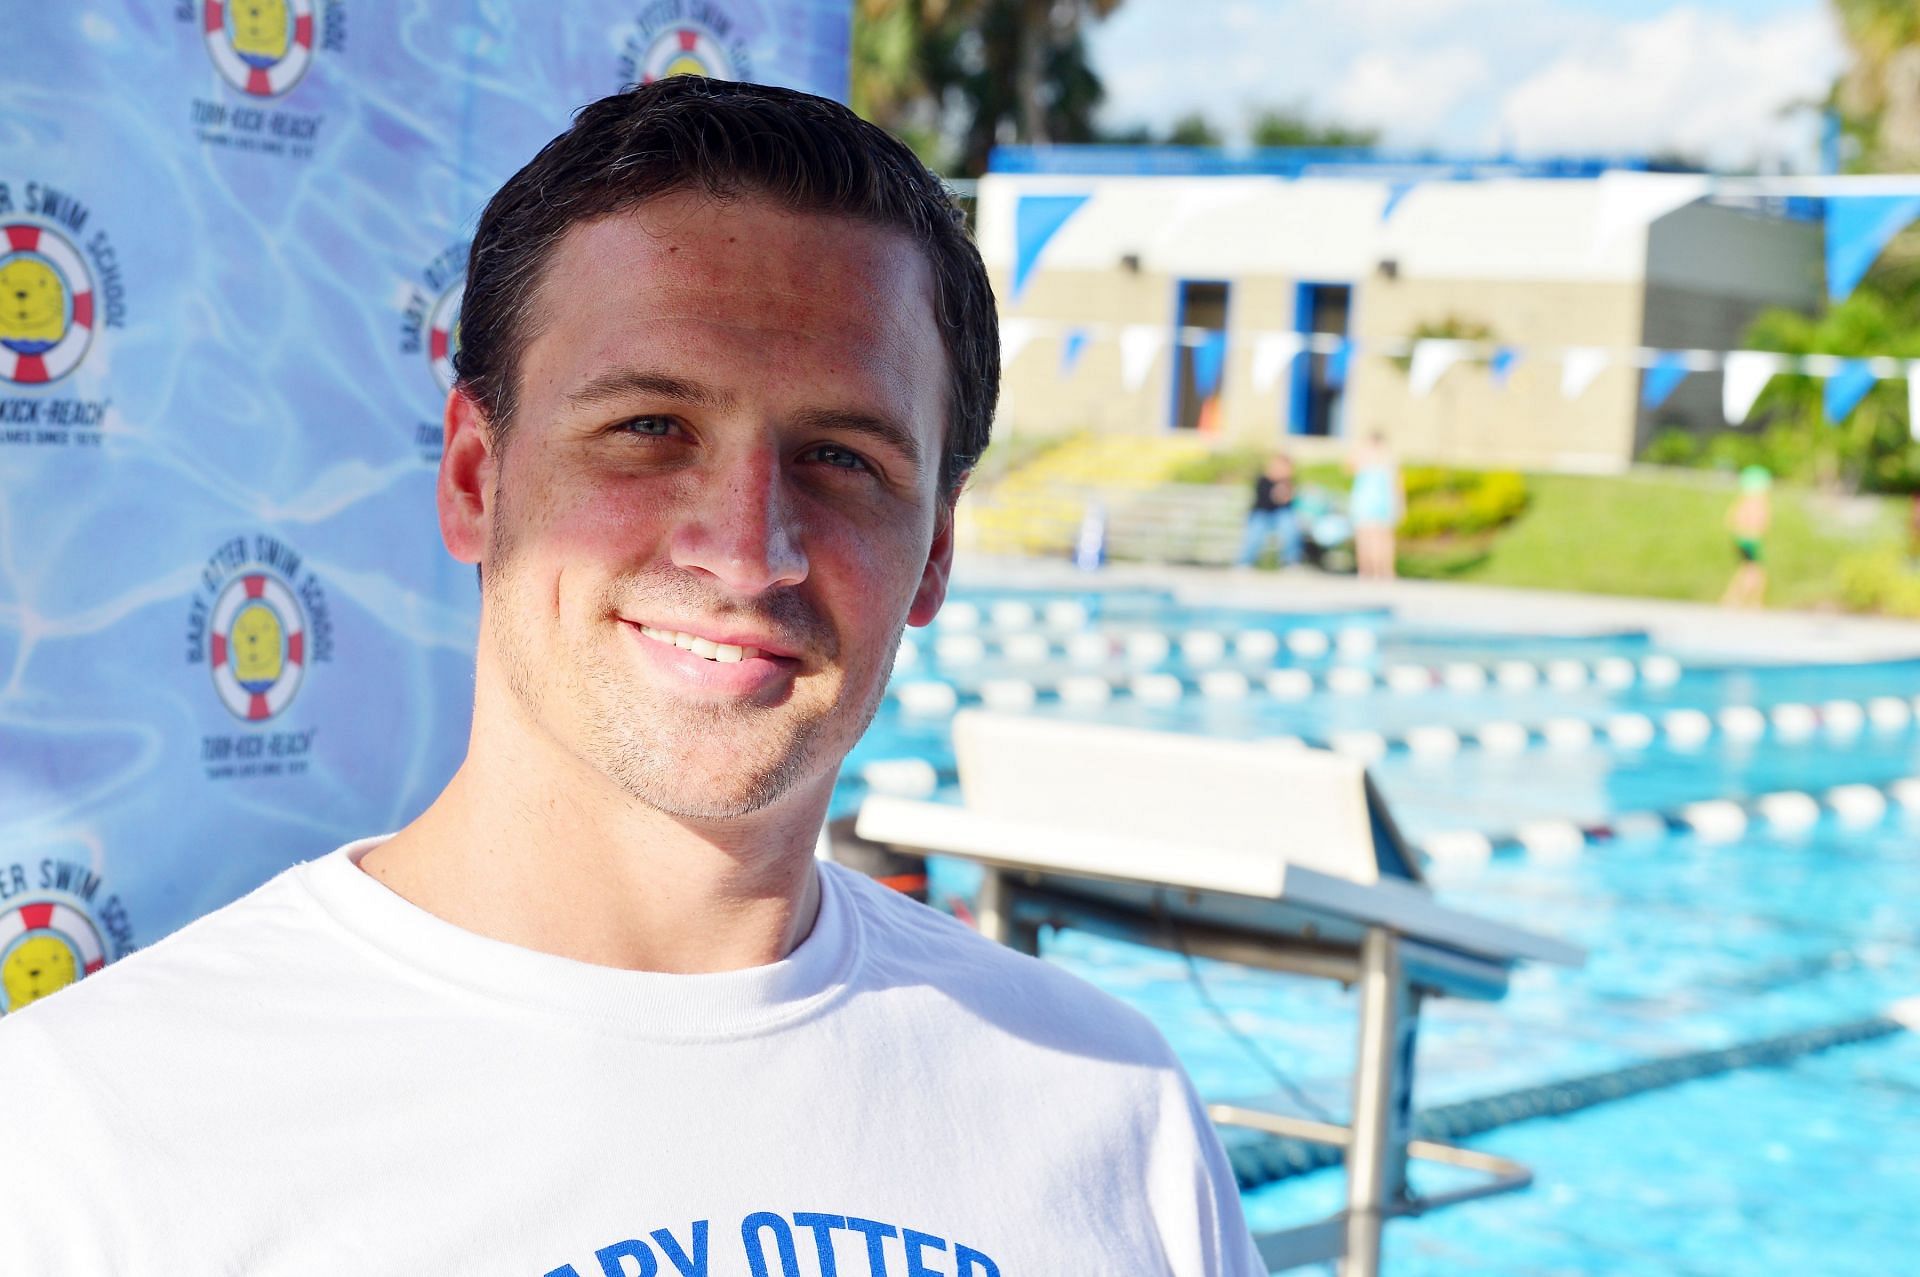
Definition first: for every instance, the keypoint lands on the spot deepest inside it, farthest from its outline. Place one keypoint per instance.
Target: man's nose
(743, 528)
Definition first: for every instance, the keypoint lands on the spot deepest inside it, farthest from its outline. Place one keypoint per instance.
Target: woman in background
(1375, 505)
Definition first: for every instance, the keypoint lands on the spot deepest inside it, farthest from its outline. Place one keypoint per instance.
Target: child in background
(1748, 520)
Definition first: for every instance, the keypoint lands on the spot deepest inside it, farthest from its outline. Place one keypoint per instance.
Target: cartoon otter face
(33, 302)
(258, 649)
(260, 30)
(39, 965)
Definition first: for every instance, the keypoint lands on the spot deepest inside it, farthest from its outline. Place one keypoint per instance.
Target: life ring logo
(257, 645)
(261, 47)
(443, 332)
(688, 49)
(45, 945)
(46, 305)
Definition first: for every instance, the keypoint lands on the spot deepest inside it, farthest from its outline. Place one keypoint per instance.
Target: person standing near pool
(1375, 505)
(727, 356)
(1272, 516)
(1748, 520)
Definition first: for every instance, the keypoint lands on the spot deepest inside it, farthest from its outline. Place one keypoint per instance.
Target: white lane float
(1502, 736)
(1551, 841)
(1203, 647)
(1630, 731)
(1686, 728)
(1638, 826)
(1308, 644)
(959, 649)
(1906, 792)
(1366, 746)
(907, 656)
(1843, 719)
(1793, 721)
(1742, 723)
(1156, 689)
(1085, 691)
(1432, 741)
(927, 698)
(1462, 676)
(1027, 649)
(1516, 676)
(1660, 671)
(1147, 647)
(1349, 680)
(1409, 679)
(1717, 820)
(1566, 675)
(1355, 644)
(1012, 614)
(901, 777)
(1568, 733)
(1889, 714)
(1788, 811)
(1089, 649)
(1857, 806)
(960, 617)
(1224, 685)
(1614, 672)
(1065, 615)
(1459, 849)
(1289, 685)
(1008, 695)
(1256, 645)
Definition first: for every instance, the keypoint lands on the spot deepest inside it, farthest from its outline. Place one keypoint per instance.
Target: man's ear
(464, 492)
(932, 591)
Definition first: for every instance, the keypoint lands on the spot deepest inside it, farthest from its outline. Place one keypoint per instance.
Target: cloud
(1407, 94)
(1474, 75)
(1690, 81)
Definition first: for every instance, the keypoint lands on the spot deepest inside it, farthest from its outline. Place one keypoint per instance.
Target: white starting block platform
(1252, 852)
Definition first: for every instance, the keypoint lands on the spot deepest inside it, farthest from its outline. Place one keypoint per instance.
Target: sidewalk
(1697, 629)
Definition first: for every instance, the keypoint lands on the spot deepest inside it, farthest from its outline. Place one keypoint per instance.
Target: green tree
(1872, 449)
(1193, 129)
(1292, 126)
(1878, 97)
(957, 77)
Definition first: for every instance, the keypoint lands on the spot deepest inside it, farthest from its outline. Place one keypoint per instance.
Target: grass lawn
(1662, 537)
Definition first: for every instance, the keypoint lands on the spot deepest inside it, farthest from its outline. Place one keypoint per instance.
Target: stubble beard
(691, 761)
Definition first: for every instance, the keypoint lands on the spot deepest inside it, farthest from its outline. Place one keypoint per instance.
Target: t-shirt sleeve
(1195, 1196)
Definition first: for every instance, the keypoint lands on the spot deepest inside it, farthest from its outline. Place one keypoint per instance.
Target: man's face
(729, 433)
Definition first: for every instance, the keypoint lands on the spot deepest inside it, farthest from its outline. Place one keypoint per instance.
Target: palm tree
(1878, 97)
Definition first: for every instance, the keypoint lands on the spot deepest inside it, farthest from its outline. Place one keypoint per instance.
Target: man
(727, 357)
(1272, 515)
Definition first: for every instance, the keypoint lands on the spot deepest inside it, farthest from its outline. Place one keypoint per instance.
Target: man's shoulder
(912, 945)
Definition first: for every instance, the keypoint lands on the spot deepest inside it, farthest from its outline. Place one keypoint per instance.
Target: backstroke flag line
(229, 636)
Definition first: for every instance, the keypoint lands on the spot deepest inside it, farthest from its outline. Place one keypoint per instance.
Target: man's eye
(839, 458)
(654, 427)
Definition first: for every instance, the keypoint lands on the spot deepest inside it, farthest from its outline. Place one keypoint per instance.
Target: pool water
(1806, 1166)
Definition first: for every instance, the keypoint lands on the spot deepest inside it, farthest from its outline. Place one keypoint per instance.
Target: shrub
(1879, 581)
(1449, 503)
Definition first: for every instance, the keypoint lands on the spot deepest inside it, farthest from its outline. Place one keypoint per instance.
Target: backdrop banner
(232, 244)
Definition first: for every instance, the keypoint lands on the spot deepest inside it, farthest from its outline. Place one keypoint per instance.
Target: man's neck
(545, 853)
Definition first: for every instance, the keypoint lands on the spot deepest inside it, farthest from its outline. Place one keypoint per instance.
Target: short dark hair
(806, 153)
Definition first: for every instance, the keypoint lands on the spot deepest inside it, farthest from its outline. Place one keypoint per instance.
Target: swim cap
(1755, 479)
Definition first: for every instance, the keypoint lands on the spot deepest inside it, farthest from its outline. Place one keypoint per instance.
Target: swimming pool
(1800, 919)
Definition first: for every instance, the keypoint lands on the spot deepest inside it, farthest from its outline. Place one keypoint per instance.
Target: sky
(1716, 80)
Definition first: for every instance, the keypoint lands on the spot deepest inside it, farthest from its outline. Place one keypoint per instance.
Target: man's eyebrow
(883, 430)
(622, 384)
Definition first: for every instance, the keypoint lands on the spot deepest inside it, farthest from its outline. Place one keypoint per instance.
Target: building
(1268, 298)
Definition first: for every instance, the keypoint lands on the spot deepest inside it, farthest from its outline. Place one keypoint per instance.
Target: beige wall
(1034, 398)
(1467, 417)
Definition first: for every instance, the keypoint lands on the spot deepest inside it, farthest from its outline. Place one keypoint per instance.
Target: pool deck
(1697, 629)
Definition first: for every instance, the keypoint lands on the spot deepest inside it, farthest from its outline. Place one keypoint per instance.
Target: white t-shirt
(323, 1078)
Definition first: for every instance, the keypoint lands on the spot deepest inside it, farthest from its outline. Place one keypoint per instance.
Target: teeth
(727, 652)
